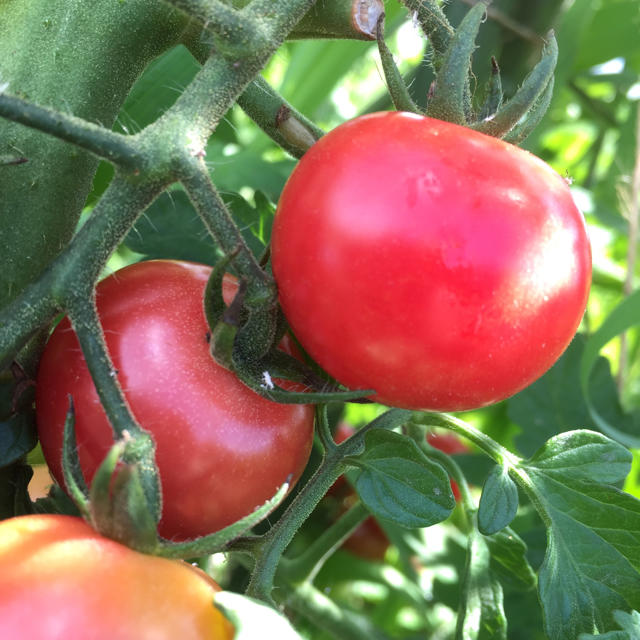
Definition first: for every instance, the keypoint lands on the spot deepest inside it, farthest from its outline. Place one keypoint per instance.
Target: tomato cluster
(442, 268)
(222, 450)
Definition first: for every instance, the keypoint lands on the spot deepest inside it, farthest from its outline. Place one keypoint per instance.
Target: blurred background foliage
(589, 135)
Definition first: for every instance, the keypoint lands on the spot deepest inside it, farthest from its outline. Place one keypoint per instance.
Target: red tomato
(60, 580)
(222, 450)
(442, 268)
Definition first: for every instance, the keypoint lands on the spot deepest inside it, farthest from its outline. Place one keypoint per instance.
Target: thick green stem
(237, 31)
(98, 140)
(351, 19)
(77, 267)
(274, 543)
(218, 220)
(277, 118)
(199, 109)
(86, 324)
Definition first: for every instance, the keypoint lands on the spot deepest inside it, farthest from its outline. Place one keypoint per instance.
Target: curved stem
(86, 324)
(277, 539)
(216, 217)
(395, 82)
(77, 267)
(307, 564)
(92, 137)
(277, 118)
(494, 450)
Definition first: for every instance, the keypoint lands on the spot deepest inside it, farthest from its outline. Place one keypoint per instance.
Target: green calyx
(125, 498)
(450, 96)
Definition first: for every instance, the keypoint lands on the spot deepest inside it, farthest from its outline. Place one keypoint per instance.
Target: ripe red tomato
(59, 579)
(222, 450)
(442, 268)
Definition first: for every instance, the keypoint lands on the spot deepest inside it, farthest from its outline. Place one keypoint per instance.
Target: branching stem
(92, 137)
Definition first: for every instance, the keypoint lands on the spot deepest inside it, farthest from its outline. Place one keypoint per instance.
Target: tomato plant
(61, 579)
(440, 267)
(222, 450)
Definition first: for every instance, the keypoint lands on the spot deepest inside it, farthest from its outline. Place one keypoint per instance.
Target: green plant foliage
(499, 501)
(543, 547)
(397, 482)
(592, 564)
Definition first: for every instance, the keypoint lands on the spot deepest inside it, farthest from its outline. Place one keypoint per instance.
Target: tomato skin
(222, 450)
(443, 268)
(60, 580)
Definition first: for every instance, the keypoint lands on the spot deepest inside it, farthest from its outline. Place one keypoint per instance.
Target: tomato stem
(494, 450)
(277, 539)
(106, 144)
(307, 565)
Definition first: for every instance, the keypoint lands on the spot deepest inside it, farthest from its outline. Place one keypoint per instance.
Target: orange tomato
(59, 579)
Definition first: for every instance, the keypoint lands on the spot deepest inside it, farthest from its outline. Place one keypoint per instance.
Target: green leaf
(509, 560)
(157, 89)
(555, 403)
(613, 33)
(629, 622)
(253, 619)
(623, 317)
(586, 455)
(592, 562)
(481, 614)
(397, 482)
(255, 222)
(499, 501)
(17, 437)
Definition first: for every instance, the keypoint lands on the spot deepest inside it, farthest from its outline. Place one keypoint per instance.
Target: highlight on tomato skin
(222, 450)
(441, 267)
(61, 580)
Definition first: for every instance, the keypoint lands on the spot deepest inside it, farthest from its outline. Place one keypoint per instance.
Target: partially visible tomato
(222, 450)
(60, 580)
(441, 267)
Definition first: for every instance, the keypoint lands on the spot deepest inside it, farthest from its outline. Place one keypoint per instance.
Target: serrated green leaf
(629, 622)
(498, 502)
(481, 614)
(253, 619)
(509, 560)
(397, 482)
(592, 562)
(586, 455)
(623, 317)
(17, 437)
